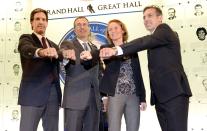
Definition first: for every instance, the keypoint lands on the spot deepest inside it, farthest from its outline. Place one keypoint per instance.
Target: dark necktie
(85, 47)
(44, 42)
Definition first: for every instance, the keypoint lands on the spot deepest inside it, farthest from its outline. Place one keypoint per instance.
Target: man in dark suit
(40, 93)
(81, 99)
(170, 89)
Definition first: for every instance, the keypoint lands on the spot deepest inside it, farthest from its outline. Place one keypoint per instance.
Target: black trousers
(173, 114)
(103, 124)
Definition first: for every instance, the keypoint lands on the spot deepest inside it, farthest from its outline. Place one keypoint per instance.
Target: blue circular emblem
(98, 34)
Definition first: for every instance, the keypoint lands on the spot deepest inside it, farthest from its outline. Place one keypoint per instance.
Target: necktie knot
(44, 42)
(85, 46)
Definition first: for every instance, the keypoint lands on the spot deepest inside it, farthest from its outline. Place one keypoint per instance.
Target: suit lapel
(49, 42)
(92, 46)
(78, 45)
(37, 42)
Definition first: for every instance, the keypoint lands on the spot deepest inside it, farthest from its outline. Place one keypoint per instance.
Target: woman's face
(115, 32)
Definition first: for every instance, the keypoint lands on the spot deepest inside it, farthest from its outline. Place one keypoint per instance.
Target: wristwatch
(116, 51)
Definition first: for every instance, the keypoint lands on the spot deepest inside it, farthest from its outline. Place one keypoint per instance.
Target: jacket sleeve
(160, 37)
(26, 46)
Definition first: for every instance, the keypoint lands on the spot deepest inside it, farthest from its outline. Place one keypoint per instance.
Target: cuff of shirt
(119, 50)
(103, 98)
(36, 52)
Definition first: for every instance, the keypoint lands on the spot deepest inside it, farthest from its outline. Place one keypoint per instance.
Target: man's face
(17, 26)
(198, 9)
(171, 13)
(82, 29)
(151, 19)
(18, 5)
(16, 68)
(201, 35)
(15, 114)
(39, 23)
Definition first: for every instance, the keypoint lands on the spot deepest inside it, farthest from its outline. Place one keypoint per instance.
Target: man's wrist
(115, 50)
(39, 52)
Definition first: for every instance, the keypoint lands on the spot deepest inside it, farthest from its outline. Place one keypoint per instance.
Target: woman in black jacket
(122, 82)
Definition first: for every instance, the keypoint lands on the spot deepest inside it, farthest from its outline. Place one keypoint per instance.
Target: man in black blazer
(81, 99)
(170, 89)
(40, 93)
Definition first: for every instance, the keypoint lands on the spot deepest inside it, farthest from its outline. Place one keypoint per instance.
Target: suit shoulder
(165, 26)
(25, 36)
(75, 40)
(164, 30)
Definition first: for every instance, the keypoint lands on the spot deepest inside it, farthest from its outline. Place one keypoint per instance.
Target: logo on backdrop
(97, 38)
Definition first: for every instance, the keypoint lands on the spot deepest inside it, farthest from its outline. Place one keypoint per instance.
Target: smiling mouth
(147, 23)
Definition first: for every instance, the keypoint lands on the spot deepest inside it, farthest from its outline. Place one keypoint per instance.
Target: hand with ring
(69, 54)
(85, 55)
(106, 53)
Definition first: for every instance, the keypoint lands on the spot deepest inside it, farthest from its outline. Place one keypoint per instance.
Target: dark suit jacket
(167, 76)
(80, 77)
(111, 74)
(38, 73)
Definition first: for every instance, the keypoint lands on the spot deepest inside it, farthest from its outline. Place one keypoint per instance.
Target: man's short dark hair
(37, 10)
(172, 9)
(80, 17)
(15, 65)
(158, 10)
(198, 5)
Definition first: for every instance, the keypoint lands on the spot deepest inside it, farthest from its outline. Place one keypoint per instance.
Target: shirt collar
(81, 42)
(153, 31)
(39, 36)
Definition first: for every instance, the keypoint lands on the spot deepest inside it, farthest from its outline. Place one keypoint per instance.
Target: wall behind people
(61, 16)
(13, 22)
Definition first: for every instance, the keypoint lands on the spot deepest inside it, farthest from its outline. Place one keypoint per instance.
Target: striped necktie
(85, 46)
